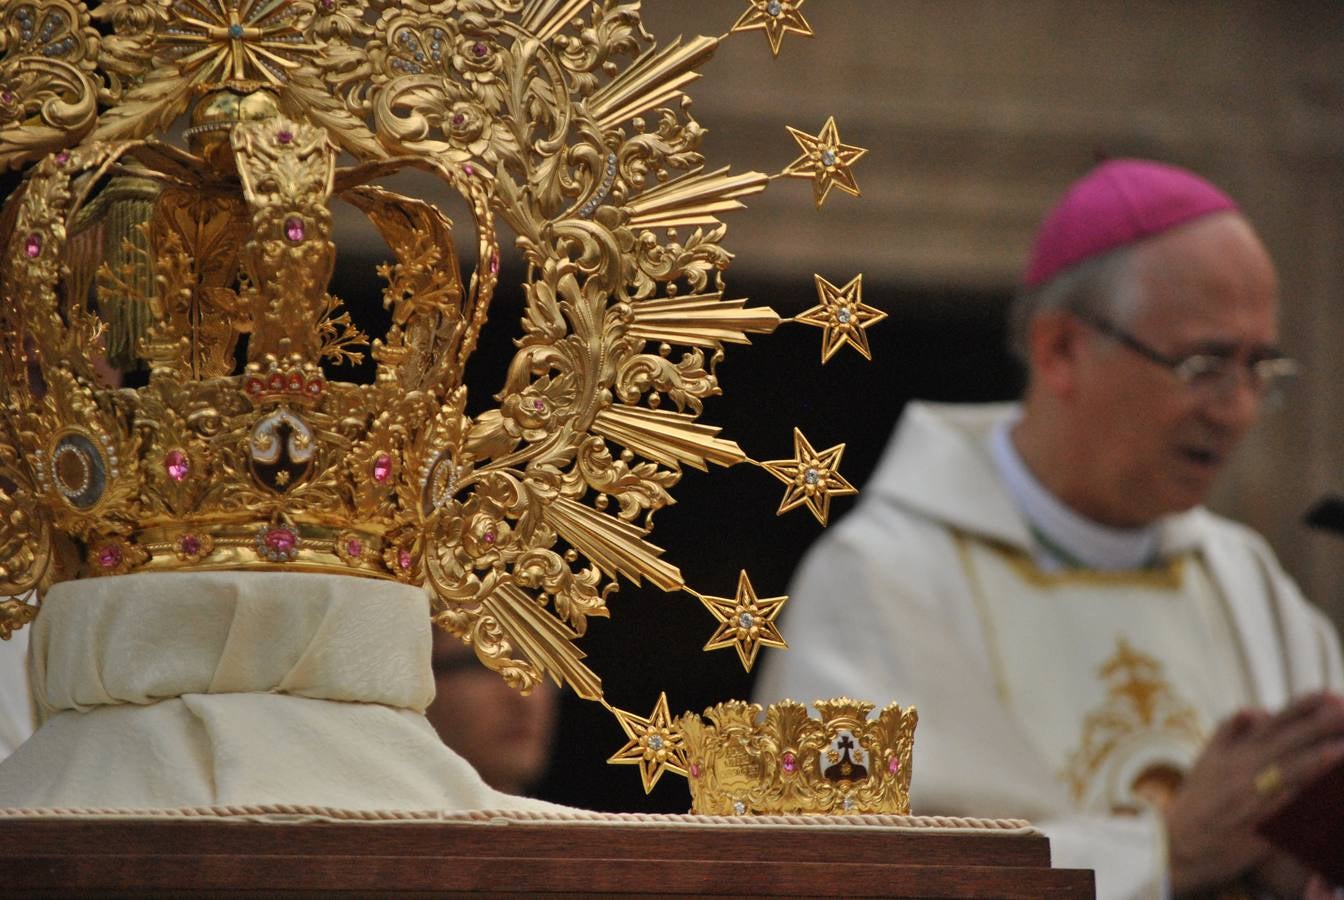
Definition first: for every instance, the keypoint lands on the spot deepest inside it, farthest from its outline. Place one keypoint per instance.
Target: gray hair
(1104, 286)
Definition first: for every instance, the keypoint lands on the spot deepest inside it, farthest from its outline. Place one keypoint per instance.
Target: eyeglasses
(1205, 371)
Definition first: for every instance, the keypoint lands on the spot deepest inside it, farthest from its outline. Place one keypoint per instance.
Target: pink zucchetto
(1118, 203)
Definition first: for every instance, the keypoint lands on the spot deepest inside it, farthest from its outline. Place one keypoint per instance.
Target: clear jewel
(812, 476)
(828, 158)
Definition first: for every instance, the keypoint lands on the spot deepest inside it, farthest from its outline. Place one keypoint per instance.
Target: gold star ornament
(655, 744)
(746, 622)
(825, 160)
(810, 477)
(842, 315)
(775, 18)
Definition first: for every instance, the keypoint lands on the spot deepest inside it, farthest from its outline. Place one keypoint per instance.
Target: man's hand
(1255, 763)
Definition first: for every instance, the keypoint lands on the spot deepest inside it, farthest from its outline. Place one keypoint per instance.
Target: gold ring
(1269, 780)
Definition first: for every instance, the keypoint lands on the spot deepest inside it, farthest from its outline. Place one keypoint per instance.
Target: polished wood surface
(102, 857)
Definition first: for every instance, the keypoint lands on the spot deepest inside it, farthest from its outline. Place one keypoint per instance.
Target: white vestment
(237, 689)
(1058, 697)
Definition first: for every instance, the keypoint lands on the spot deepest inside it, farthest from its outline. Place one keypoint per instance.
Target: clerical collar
(1065, 539)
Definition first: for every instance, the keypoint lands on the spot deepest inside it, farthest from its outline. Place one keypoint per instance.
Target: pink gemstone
(893, 765)
(190, 545)
(538, 404)
(354, 547)
(469, 169)
(328, 4)
(33, 245)
(459, 118)
(284, 135)
(7, 96)
(382, 468)
(280, 540)
(479, 49)
(695, 771)
(494, 263)
(294, 229)
(488, 537)
(177, 464)
(404, 558)
(790, 762)
(110, 556)
(62, 158)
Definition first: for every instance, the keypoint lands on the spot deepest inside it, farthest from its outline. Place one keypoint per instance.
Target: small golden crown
(790, 763)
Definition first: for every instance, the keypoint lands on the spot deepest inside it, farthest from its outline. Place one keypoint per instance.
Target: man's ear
(1053, 343)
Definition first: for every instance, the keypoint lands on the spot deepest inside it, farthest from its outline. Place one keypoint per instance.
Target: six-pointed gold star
(774, 17)
(842, 315)
(655, 744)
(746, 622)
(825, 160)
(810, 477)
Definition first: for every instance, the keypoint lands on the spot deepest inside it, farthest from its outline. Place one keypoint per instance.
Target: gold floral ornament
(48, 90)
(775, 18)
(811, 478)
(208, 266)
(825, 160)
(843, 317)
(843, 763)
(655, 744)
(746, 622)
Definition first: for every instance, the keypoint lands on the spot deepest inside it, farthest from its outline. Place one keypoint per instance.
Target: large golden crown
(207, 266)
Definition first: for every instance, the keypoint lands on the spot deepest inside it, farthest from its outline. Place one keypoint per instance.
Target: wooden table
(612, 856)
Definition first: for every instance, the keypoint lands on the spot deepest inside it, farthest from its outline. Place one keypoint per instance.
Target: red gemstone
(893, 765)
(296, 382)
(190, 545)
(404, 558)
(110, 556)
(177, 464)
(790, 762)
(382, 468)
(354, 548)
(284, 135)
(328, 4)
(33, 245)
(277, 382)
(255, 385)
(294, 229)
(280, 540)
(315, 386)
(479, 49)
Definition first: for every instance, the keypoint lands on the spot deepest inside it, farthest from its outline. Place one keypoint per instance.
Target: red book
(1311, 827)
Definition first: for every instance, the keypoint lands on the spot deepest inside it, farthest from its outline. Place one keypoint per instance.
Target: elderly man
(1088, 646)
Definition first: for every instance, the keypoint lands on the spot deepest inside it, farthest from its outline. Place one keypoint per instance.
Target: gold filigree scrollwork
(48, 95)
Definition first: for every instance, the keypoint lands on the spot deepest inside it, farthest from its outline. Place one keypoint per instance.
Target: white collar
(1063, 538)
